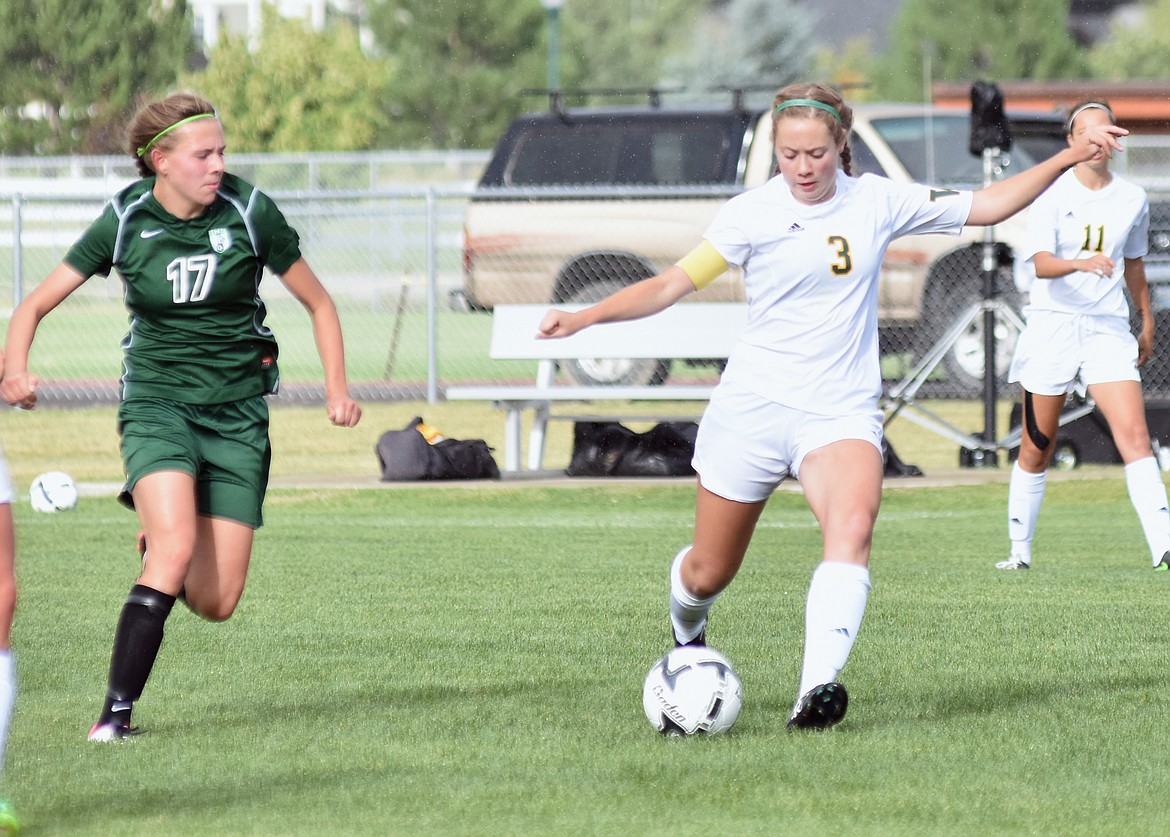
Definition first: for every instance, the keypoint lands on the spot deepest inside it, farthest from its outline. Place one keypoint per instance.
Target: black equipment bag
(610, 449)
(893, 464)
(405, 455)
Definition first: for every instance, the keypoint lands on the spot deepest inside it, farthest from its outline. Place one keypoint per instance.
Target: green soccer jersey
(192, 288)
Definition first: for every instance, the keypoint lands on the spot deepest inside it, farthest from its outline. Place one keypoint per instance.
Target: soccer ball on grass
(693, 690)
(53, 491)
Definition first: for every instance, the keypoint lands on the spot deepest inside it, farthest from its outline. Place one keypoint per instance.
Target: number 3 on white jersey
(191, 277)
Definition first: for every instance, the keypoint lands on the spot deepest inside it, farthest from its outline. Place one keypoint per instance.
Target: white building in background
(215, 19)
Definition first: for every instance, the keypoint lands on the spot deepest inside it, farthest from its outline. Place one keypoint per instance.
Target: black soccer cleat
(698, 642)
(1163, 565)
(820, 708)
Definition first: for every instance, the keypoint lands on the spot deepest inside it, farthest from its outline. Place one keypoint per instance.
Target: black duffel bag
(610, 449)
(406, 455)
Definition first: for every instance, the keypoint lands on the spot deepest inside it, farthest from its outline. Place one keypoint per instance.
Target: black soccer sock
(136, 643)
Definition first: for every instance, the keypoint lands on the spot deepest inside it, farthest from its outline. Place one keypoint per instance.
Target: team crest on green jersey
(221, 239)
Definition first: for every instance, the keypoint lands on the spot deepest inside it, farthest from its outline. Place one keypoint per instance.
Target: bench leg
(512, 439)
(536, 437)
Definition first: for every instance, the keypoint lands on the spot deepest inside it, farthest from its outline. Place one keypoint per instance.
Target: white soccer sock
(1025, 494)
(1148, 495)
(7, 698)
(688, 613)
(832, 617)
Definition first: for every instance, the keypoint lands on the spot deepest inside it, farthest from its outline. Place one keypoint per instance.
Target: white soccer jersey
(811, 276)
(1071, 221)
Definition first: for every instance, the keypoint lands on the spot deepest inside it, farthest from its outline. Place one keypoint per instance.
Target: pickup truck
(574, 204)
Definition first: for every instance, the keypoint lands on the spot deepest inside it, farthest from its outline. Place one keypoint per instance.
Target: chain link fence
(386, 233)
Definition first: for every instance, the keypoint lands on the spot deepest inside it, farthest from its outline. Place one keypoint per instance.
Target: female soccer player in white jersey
(191, 243)
(799, 396)
(1087, 236)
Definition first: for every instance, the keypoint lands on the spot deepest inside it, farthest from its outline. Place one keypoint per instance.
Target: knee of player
(1133, 442)
(854, 528)
(705, 576)
(214, 611)
(1033, 458)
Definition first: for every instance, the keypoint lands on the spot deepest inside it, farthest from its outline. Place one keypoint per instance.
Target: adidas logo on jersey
(795, 228)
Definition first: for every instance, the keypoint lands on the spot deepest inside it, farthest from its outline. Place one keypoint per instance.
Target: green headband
(142, 151)
(808, 103)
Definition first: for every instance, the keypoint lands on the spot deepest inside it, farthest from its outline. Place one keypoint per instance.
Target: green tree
(846, 65)
(71, 73)
(462, 66)
(1136, 48)
(760, 44)
(994, 39)
(467, 64)
(299, 90)
(625, 44)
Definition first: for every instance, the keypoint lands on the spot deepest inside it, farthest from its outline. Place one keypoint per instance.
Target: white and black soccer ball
(53, 491)
(693, 690)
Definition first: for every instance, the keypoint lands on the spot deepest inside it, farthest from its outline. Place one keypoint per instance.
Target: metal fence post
(17, 253)
(432, 299)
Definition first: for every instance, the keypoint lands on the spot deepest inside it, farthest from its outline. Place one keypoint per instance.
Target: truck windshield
(659, 152)
(936, 149)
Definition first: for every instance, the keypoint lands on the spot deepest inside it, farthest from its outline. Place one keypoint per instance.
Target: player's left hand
(344, 411)
(1145, 348)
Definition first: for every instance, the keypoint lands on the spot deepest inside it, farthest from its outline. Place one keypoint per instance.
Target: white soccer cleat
(103, 733)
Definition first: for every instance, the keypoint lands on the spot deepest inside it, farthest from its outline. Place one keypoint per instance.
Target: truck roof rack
(739, 93)
(556, 97)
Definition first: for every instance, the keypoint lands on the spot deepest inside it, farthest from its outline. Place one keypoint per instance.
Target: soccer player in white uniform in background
(1086, 239)
(799, 396)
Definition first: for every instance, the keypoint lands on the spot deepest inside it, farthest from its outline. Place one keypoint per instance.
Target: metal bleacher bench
(699, 330)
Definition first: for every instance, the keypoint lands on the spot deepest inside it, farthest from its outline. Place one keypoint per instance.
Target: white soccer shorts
(747, 445)
(1056, 349)
(7, 494)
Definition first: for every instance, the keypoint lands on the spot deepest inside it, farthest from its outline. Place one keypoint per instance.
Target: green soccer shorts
(225, 447)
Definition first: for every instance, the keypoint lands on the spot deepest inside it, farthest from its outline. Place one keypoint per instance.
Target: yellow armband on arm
(703, 264)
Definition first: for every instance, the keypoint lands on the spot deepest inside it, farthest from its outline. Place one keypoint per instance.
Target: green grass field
(469, 660)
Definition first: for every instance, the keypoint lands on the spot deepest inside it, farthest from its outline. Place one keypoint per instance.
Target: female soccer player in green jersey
(191, 243)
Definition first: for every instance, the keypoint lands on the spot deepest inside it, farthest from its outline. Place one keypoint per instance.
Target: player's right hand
(20, 390)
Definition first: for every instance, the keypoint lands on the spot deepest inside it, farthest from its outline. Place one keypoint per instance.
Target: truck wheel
(1065, 457)
(954, 284)
(612, 371)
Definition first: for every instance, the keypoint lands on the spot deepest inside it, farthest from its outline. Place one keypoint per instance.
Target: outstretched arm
(630, 303)
(307, 288)
(1003, 199)
(19, 387)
